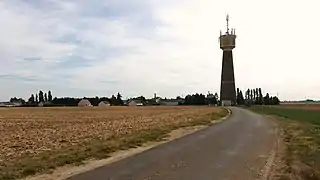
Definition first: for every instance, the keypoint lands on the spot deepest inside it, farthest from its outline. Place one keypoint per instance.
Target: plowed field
(38, 133)
(309, 106)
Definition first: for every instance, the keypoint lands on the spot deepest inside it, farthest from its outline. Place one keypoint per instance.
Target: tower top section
(227, 18)
(228, 32)
(228, 40)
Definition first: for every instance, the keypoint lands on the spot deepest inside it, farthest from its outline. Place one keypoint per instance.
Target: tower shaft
(227, 88)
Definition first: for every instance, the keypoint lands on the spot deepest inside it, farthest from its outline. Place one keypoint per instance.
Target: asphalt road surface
(236, 149)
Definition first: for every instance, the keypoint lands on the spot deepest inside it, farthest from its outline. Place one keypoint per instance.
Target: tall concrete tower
(227, 89)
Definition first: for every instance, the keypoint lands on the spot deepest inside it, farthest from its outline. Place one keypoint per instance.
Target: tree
(241, 98)
(257, 96)
(196, 99)
(187, 99)
(119, 100)
(260, 97)
(113, 100)
(211, 99)
(65, 101)
(37, 99)
(13, 99)
(49, 96)
(45, 97)
(217, 97)
(144, 100)
(201, 99)
(275, 100)
(17, 100)
(31, 99)
(238, 96)
(266, 99)
(41, 98)
(248, 94)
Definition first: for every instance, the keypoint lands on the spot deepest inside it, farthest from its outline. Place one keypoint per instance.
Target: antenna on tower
(227, 23)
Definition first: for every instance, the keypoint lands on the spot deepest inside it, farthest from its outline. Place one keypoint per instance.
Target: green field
(301, 128)
(301, 115)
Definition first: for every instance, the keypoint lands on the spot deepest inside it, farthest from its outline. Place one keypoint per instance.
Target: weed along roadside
(300, 157)
(65, 160)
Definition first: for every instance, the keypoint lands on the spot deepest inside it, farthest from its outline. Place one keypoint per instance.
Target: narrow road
(236, 149)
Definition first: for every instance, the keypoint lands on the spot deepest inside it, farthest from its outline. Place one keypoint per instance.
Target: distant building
(41, 104)
(226, 103)
(125, 102)
(2, 104)
(10, 104)
(104, 104)
(84, 103)
(157, 100)
(171, 102)
(135, 103)
(17, 103)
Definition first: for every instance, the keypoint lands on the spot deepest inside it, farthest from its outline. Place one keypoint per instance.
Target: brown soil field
(40, 135)
(309, 106)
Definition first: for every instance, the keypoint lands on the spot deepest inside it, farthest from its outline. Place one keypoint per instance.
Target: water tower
(227, 88)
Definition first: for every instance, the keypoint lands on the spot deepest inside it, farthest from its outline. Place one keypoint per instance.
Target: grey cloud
(21, 78)
(32, 59)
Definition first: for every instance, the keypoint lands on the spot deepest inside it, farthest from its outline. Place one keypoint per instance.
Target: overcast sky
(138, 47)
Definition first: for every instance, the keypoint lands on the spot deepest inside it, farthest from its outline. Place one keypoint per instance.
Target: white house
(104, 104)
(84, 103)
(135, 103)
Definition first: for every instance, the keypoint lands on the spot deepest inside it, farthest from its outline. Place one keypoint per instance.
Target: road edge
(67, 171)
(268, 168)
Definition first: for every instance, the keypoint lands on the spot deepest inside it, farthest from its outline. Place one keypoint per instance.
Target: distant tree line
(34, 99)
(19, 100)
(47, 99)
(40, 97)
(250, 97)
(255, 97)
(142, 99)
(201, 99)
(70, 101)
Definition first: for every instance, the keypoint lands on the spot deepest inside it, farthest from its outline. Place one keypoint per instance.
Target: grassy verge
(302, 139)
(95, 149)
